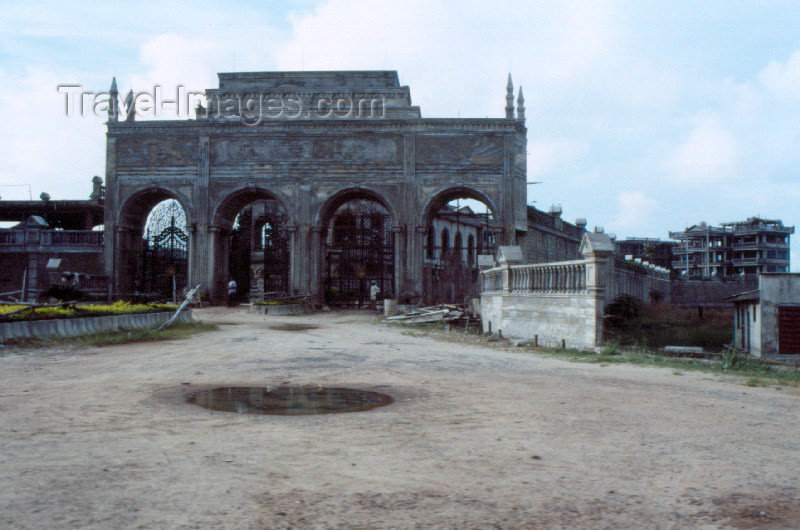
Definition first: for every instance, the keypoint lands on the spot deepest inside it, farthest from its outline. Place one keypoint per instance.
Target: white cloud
(708, 154)
(635, 210)
(455, 56)
(42, 146)
(549, 157)
(782, 80)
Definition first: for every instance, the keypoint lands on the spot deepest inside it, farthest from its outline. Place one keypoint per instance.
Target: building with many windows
(740, 248)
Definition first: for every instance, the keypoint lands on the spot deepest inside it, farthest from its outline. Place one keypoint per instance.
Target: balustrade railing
(559, 277)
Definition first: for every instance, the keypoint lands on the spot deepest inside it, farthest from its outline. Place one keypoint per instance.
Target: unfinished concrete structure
(746, 247)
(315, 142)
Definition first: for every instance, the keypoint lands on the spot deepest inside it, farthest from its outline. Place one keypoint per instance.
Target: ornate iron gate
(361, 252)
(164, 263)
(275, 243)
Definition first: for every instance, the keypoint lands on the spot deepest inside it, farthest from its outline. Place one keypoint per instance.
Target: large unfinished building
(732, 249)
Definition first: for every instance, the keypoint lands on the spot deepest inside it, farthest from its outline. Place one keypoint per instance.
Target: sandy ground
(477, 437)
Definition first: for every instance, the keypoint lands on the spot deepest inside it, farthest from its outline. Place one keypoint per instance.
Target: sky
(644, 117)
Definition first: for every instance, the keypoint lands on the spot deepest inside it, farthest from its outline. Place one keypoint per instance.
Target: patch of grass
(756, 381)
(727, 363)
(757, 372)
(179, 330)
(659, 325)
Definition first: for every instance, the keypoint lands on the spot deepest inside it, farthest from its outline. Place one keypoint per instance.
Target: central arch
(357, 246)
(240, 250)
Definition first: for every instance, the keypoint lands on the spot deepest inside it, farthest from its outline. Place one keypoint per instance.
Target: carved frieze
(468, 149)
(157, 152)
(234, 151)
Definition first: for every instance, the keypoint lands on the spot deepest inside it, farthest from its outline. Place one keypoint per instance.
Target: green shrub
(82, 310)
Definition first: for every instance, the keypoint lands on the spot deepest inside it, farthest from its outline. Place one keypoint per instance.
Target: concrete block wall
(549, 320)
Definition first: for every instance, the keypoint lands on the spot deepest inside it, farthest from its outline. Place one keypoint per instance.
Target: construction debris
(435, 313)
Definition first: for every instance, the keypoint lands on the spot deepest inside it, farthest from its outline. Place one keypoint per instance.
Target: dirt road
(476, 437)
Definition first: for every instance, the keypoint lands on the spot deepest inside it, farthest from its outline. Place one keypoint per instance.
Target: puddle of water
(293, 327)
(288, 400)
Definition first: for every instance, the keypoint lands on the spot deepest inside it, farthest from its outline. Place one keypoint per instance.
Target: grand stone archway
(143, 260)
(309, 160)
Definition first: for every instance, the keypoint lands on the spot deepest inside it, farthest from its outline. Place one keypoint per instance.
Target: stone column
(110, 207)
(316, 259)
(212, 243)
(416, 267)
(120, 251)
(201, 259)
(296, 260)
(398, 234)
(597, 250)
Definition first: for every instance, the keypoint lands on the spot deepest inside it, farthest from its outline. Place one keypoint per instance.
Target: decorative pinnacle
(521, 106)
(113, 102)
(510, 99)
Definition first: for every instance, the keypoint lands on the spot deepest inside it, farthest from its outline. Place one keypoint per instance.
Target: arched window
(471, 251)
(445, 242)
(431, 243)
(457, 247)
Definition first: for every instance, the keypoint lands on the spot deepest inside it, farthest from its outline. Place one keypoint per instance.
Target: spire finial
(521, 106)
(113, 101)
(510, 99)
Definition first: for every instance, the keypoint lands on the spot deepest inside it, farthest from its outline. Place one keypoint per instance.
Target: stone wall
(552, 304)
(550, 238)
(708, 293)
(639, 282)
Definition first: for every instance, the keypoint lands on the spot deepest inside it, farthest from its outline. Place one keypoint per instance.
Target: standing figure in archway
(232, 288)
(374, 291)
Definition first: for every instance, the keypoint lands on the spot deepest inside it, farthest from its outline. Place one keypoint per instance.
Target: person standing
(232, 293)
(374, 291)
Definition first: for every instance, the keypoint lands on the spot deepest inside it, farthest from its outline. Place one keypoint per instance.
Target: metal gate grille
(789, 329)
(361, 252)
(276, 258)
(164, 262)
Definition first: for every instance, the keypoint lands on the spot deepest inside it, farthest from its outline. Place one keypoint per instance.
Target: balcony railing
(67, 238)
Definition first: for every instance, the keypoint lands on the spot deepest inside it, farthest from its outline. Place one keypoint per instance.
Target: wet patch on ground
(292, 327)
(287, 400)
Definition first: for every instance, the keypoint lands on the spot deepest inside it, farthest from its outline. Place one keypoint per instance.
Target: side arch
(136, 265)
(446, 194)
(135, 208)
